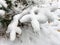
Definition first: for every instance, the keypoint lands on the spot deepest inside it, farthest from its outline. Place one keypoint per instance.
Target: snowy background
(29, 22)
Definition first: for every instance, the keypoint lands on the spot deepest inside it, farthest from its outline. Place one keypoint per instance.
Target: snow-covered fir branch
(35, 22)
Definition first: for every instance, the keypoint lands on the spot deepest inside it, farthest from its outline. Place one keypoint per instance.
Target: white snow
(3, 2)
(2, 13)
(43, 25)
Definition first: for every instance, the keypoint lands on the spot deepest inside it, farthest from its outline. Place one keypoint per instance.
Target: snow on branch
(36, 14)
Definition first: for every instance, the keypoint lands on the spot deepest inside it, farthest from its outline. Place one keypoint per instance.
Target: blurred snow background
(48, 34)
